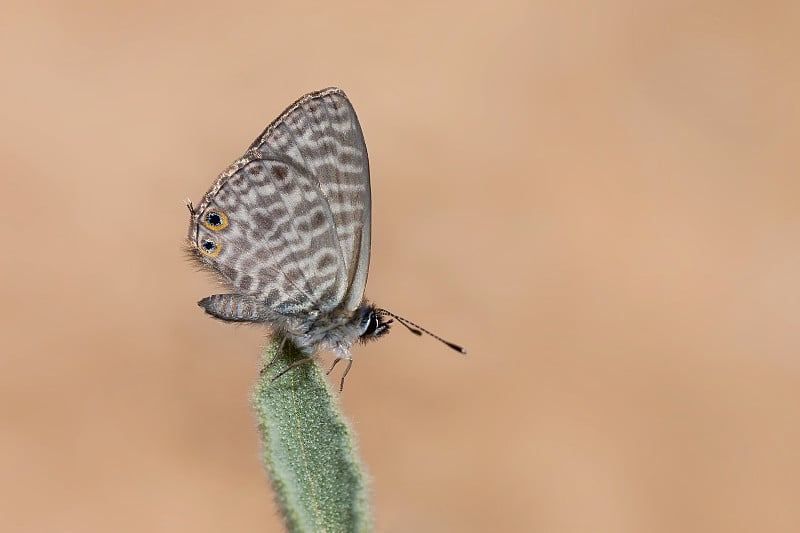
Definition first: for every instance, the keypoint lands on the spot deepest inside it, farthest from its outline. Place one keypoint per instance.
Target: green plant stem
(309, 450)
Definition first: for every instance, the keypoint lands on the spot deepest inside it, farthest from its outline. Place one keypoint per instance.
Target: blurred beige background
(601, 202)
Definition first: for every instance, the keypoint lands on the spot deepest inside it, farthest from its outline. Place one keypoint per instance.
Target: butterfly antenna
(190, 206)
(419, 330)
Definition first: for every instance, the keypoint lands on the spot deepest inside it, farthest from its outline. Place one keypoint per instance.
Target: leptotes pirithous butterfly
(288, 227)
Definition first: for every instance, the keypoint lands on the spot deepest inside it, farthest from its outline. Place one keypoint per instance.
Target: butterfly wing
(289, 223)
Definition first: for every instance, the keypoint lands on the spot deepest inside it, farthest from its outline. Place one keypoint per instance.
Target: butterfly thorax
(336, 331)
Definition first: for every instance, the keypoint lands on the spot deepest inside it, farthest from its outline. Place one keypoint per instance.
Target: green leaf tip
(309, 449)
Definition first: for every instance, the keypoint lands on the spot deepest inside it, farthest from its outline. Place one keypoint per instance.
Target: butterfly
(288, 227)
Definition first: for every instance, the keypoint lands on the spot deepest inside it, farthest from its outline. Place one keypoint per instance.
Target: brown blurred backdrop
(600, 202)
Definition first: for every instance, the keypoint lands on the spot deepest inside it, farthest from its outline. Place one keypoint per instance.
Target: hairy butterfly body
(287, 226)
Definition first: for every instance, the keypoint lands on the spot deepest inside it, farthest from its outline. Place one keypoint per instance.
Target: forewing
(321, 134)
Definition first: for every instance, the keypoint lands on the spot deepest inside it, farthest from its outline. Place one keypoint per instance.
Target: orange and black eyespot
(215, 220)
(210, 248)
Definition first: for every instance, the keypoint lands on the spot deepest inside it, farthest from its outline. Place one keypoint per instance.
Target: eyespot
(210, 248)
(215, 220)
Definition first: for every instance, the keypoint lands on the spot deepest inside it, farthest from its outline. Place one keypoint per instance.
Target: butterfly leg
(346, 370)
(335, 361)
(297, 363)
(274, 357)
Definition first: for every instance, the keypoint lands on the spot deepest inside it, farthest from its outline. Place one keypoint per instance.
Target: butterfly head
(373, 324)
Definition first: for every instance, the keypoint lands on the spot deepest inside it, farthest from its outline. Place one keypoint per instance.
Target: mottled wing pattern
(321, 134)
(296, 208)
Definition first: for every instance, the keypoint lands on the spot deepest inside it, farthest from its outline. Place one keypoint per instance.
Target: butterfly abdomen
(234, 308)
